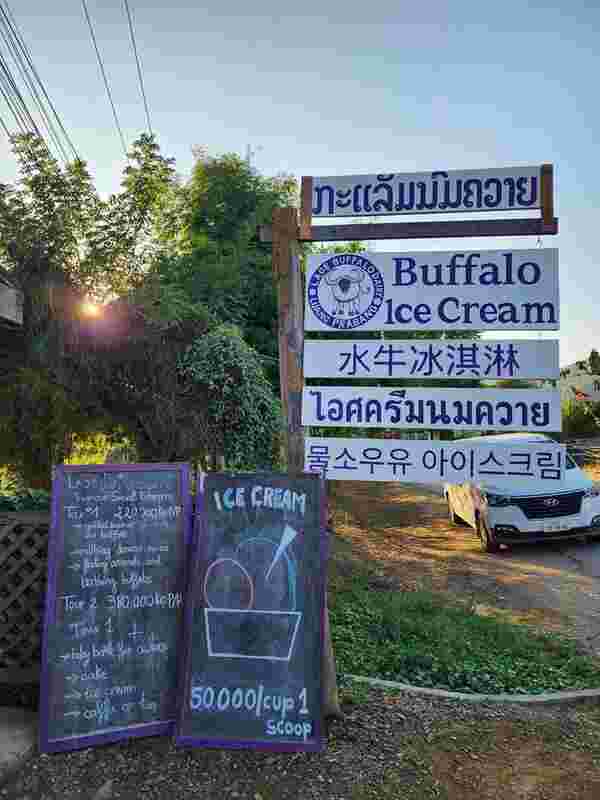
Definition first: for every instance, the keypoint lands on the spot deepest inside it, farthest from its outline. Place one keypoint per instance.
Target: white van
(504, 511)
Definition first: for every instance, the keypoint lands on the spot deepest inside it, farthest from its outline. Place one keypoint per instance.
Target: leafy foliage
(37, 420)
(123, 367)
(243, 412)
(580, 418)
(25, 500)
(58, 242)
(209, 247)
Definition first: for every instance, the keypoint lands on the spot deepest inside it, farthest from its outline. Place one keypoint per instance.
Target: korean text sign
(117, 554)
(431, 462)
(254, 619)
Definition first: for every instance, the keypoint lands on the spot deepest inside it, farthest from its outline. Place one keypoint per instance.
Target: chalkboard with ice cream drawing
(255, 615)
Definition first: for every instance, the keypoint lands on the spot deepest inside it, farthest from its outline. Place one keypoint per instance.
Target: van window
(570, 463)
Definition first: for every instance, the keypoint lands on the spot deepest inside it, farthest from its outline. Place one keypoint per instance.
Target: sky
(335, 88)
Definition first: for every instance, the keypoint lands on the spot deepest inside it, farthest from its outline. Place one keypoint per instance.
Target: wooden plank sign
(470, 290)
(408, 461)
(462, 409)
(117, 552)
(254, 616)
(462, 359)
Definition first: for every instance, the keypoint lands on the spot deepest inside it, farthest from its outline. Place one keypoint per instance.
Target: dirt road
(406, 529)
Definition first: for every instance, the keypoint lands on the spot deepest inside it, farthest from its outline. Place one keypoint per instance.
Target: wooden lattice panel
(23, 559)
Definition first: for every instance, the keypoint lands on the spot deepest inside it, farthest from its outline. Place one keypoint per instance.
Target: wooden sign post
(290, 296)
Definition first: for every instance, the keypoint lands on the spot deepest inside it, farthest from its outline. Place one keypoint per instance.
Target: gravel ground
(361, 751)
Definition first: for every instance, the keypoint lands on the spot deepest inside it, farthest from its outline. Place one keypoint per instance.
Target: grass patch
(429, 640)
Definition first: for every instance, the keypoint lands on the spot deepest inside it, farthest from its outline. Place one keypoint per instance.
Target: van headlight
(593, 491)
(497, 499)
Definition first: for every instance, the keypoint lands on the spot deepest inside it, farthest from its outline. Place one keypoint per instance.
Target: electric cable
(103, 71)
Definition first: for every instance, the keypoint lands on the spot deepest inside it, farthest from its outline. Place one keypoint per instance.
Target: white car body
(507, 511)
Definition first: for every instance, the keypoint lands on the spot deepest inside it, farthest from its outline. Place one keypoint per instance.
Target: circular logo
(346, 291)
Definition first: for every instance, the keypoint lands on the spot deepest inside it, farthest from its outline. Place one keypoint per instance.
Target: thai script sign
(454, 290)
(117, 554)
(422, 358)
(429, 462)
(464, 409)
(254, 615)
(506, 189)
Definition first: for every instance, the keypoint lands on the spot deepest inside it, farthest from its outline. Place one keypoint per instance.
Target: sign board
(431, 358)
(464, 409)
(116, 557)
(440, 191)
(454, 290)
(254, 616)
(429, 462)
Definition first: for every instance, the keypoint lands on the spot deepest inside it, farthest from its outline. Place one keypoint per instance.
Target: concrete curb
(591, 696)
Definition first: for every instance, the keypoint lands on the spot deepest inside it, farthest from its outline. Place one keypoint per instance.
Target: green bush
(26, 500)
(579, 418)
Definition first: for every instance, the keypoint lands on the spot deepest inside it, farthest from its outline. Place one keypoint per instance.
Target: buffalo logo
(345, 292)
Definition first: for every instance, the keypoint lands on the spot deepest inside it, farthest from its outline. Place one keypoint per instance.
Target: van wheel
(488, 543)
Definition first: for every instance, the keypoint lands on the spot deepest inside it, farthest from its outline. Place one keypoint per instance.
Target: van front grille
(549, 506)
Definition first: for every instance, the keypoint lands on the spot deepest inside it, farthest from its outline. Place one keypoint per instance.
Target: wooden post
(306, 205)
(286, 269)
(288, 280)
(547, 195)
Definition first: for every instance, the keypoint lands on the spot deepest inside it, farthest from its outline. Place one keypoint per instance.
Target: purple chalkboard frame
(199, 554)
(55, 554)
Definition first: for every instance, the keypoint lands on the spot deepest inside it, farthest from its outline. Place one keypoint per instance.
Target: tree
(594, 363)
(58, 243)
(209, 247)
(124, 367)
(580, 418)
(244, 415)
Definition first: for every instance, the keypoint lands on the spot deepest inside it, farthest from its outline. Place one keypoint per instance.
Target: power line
(25, 77)
(22, 51)
(139, 68)
(108, 92)
(15, 101)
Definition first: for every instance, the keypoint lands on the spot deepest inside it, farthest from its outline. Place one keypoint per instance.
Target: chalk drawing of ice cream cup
(250, 601)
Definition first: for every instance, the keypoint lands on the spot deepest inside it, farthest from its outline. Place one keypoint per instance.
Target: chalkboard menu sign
(114, 606)
(251, 674)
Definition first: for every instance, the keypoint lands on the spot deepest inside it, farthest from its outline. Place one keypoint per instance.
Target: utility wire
(25, 77)
(8, 21)
(139, 68)
(16, 103)
(108, 92)
(4, 127)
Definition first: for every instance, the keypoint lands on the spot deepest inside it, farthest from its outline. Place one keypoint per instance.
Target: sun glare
(90, 309)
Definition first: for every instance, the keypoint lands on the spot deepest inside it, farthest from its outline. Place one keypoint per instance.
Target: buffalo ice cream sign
(467, 290)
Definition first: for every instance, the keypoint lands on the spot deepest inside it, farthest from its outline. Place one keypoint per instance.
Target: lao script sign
(464, 409)
(506, 189)
(429, 462)
(466, 290)
(422, 358)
